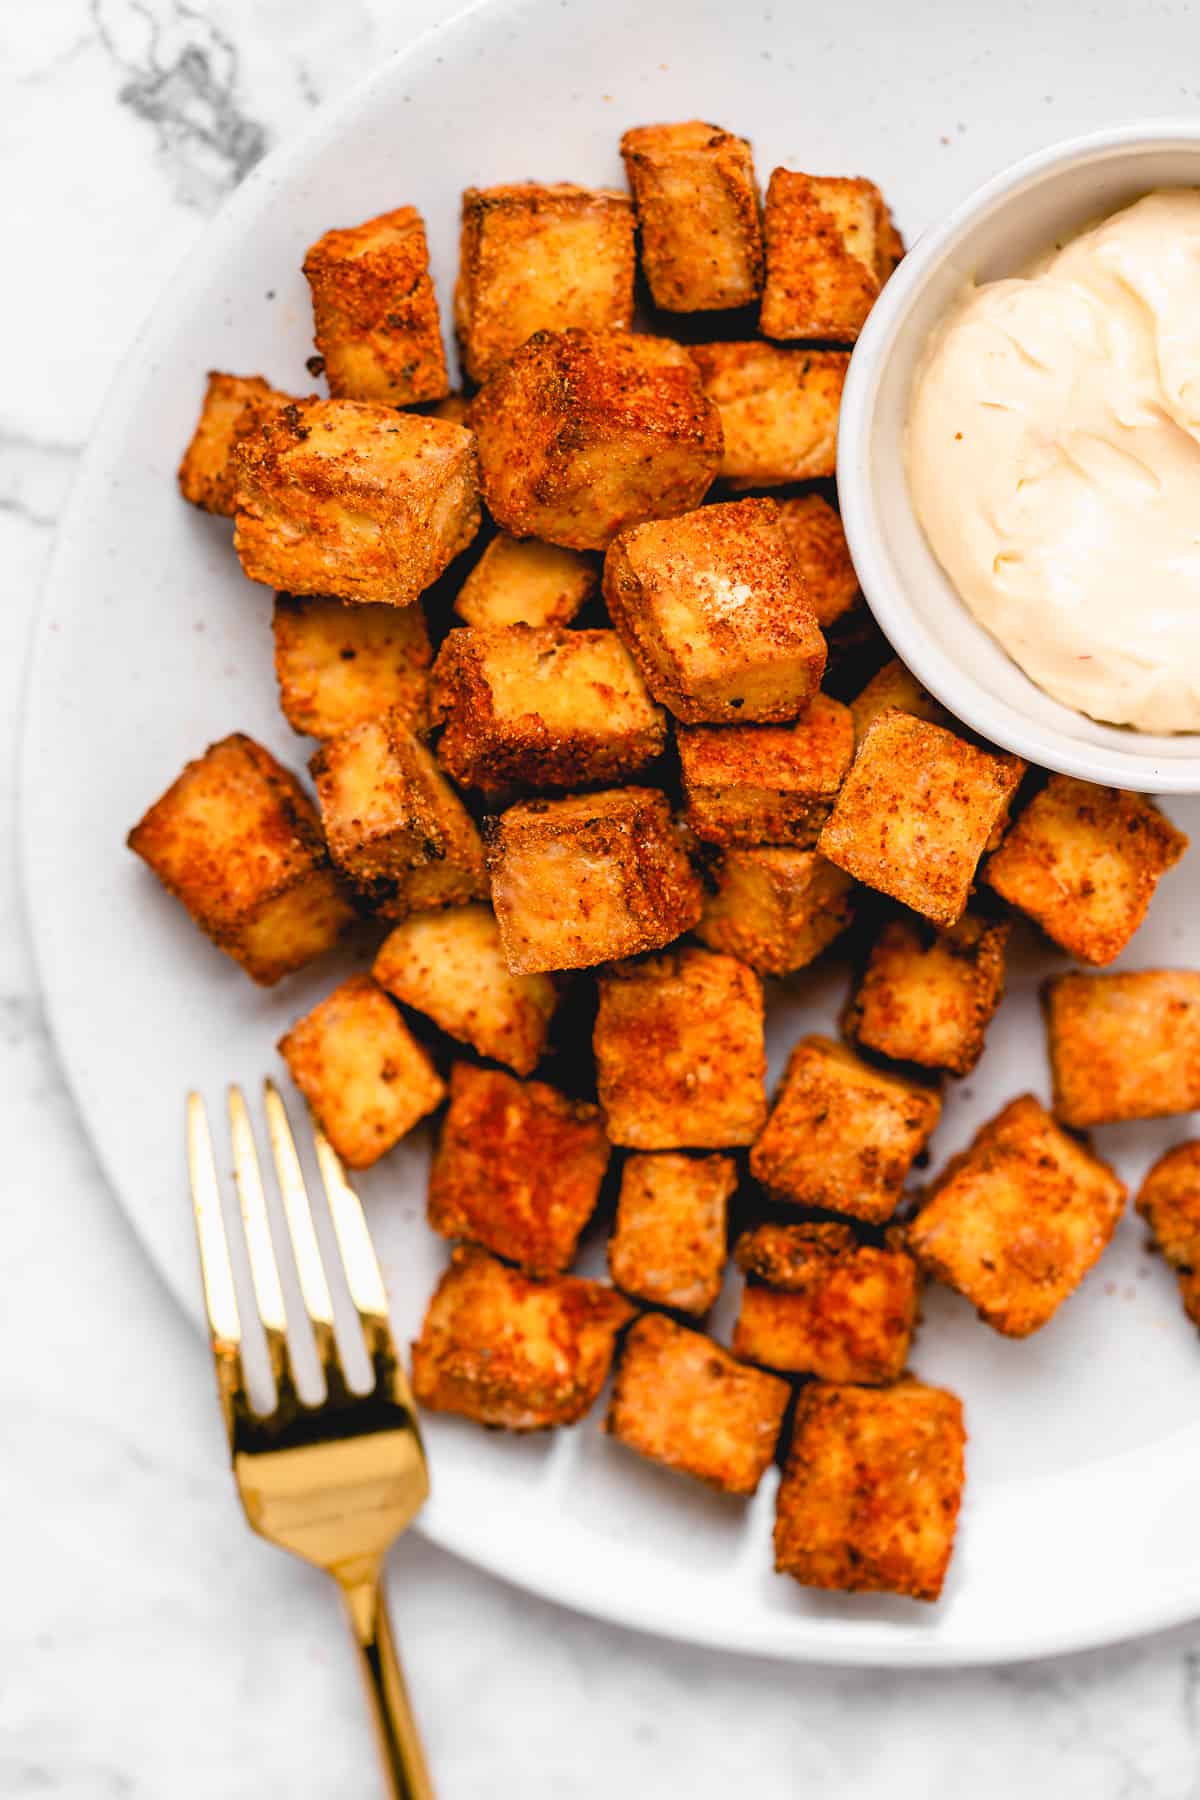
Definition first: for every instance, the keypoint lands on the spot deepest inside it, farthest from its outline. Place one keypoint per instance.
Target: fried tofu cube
(1124, 1046)
(536, 257)
(506, 1350)
(826, 255)
(339, 497)
(818, 546)
(521, 581)
(697, 206)
(895, 686)
(589, 878)
(1169, 1201)
(453, 409)
(779, 410)
(363, 1073)
(928, 996)
(681, 1400)
(843, 1135)
(871, 1490)
(234, 406)
(766, 784)
(817, 1302)
(1084, 861)
(375, 314)
(716, 614)
(337, 665)
(237, 839)
(582, 434)
(669, 1244)
(394, 825)
(917, 811)
(680, 1061)
(542, 706)
(774, 909)
(1015, 1221)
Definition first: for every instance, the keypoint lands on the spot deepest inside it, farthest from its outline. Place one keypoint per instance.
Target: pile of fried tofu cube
(606, 744)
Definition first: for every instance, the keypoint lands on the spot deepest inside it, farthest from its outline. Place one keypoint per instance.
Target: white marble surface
(148, 1646)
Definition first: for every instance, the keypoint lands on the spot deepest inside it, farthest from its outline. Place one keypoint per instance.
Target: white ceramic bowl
(994, 233)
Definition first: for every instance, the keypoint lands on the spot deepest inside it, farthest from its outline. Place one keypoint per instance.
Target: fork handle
(391, 1710)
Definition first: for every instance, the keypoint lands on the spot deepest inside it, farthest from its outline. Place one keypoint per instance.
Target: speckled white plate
(1084, 1466)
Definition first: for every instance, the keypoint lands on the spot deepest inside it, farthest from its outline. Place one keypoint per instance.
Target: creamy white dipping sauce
(1054, 463)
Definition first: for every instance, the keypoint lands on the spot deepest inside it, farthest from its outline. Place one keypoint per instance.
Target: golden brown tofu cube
(506, 1350)
(716, 614)
(521, 581)
(449, 966)
(817, 1302)
(842, 1135)
(454, 409)
(234, 405)
(681, 1400)
(237, 839)
(697, 206)
(338, 497)
(895, 686)
(766, 784)
(917, 811)
(393, 823)
(542, 706)
(375, 314)
(669, 1243)
(775, 909)
(1084, 861)
(779, 410)
(1015, 1221)
(818, 546)
(584, 433)
(1169, 1201)
(517, 1169)
(871, 1489)
(928, 996)
(358, 1065)
(1124, 1046)
(338, 664)
(584, 880)
(680, 1062)
(826, 255)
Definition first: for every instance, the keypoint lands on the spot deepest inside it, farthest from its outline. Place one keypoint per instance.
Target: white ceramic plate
(1084, 1480)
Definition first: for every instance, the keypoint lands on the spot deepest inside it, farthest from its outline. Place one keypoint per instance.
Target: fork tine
(309, 1266)
(216, 1271)
(264, 1270)
(363, 1275)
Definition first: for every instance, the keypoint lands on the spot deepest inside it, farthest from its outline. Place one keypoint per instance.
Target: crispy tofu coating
(584, 433)
(542, 706)
(871, 1490)
(895, 686)
(337, 664)
(517, 1169)
(1084, 861)
(521, 581)
(375, 314)
(540, 258)
(716, 614)
(928, 996)
(818, 546)
(453, 409)
(829, 250)
(779, 410)
(340, 497)
(394, 825)
(586, 879)
(1124, 1046)
(1169, 1201)
(843, 1135)
(1015, 1221)
(917, 811)
(817, 1302)
(669, 1244)
(234, 406)
(766, 784)
(358, 1065)
(506, 1350)
(697, 207)
(774, 909)
(680, 1061)
(237, 839)
(683, 1401)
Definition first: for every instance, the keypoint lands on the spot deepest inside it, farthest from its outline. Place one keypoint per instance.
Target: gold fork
(333, 1483)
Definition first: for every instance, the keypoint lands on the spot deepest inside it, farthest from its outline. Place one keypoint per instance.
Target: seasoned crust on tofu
(680, 1061)
(669, 1242)
(521, 581)
(871, 1489)
(697, 206)
(584, 433)
(778, 409)
(681, 1400)
(506, 1350)
(928, 996)
(1084, 861)
(895, 686)
(1124, 1046)
(1016, 1220)
(375, 314)
(766, 784)
(775, 909)
(819, 549)
(1169, 1201)
(337, 664)
(828, 253)
(234, 405)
